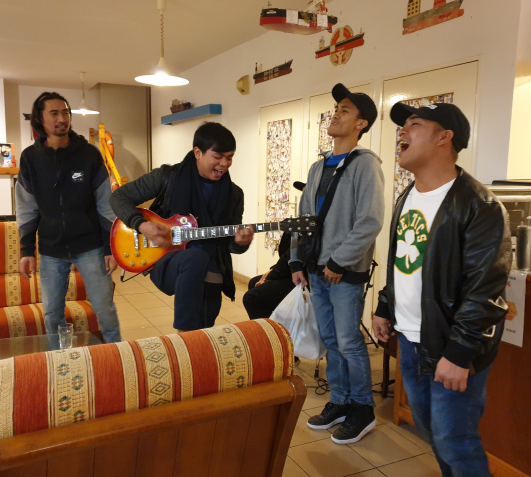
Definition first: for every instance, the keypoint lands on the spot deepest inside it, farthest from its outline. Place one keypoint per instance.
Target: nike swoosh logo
(76, 175)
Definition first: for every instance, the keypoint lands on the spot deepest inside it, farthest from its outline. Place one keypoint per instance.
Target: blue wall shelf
(205, 110)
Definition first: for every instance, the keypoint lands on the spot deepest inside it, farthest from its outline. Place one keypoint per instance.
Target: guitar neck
(180, 235)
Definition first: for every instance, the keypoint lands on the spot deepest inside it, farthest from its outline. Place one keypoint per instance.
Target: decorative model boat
(440, 13)
(348, 44)
(178, 106)
(277, 71)
(314, 19)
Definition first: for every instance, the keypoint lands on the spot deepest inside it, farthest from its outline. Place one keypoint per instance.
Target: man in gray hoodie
(339, 275)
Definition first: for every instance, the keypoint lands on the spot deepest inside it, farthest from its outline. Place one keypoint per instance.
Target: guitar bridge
(176, 235)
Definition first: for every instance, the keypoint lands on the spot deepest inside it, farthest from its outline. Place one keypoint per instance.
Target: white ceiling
(48, 42)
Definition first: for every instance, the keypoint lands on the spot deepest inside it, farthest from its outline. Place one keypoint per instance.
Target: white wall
(12, 109)
(2, 113)
(488, 29)
(123, 110)
(80, 124)
(520, 148)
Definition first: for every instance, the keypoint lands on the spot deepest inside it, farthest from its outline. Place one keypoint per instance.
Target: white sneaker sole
(369, 428)
(327, 426)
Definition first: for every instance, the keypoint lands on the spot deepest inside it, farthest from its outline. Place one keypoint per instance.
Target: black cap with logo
(363, 102)
(449, 116)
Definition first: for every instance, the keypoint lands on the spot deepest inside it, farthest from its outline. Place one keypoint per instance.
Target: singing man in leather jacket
(449, 257)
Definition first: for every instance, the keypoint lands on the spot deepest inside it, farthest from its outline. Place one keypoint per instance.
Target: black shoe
(360, 420)
(332, 414)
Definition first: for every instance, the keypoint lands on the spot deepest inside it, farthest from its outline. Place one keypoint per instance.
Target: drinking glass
(66, 332)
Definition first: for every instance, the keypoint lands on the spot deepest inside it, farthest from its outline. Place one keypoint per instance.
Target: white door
(321, 109)
(280, 165)
(458, 84)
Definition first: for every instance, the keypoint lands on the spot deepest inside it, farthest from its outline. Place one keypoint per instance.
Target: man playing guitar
(199, 185)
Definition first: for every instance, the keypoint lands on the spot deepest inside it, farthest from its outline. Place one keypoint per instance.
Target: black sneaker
(360, 420)
(332, 414)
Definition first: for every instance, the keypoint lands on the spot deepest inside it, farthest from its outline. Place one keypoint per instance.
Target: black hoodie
(64, 195)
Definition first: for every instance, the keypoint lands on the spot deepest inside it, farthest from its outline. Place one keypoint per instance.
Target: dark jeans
(182, 274)
(261, 301)
(450, 419)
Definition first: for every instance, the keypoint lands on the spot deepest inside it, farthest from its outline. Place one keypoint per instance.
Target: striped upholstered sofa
(214, 402)
(21, 312)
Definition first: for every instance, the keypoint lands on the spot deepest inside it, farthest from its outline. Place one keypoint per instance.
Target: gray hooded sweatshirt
(355, 217)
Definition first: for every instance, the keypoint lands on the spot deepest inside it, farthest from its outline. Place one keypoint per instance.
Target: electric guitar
(135, 253)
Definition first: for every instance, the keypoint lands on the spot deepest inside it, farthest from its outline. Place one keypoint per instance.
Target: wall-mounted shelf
(206, 110)
(12, 171)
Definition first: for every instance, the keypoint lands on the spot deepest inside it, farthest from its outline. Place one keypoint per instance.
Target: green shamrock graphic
(412, 234)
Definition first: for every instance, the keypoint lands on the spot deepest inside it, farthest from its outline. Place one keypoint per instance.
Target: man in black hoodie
(63, 194)
(199, 185)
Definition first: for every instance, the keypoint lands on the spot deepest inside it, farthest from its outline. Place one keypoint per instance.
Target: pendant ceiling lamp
(83, 108)
(161, 76)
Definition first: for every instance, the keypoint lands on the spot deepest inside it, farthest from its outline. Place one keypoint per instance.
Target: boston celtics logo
(412, 234)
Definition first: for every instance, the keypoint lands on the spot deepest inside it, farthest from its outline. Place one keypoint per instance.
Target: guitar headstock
(302, 225)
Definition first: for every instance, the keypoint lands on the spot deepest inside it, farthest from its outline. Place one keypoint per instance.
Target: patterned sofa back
(56, 388)
(9, 247)
(21, 311)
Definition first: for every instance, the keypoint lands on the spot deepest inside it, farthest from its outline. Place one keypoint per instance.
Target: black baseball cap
(363, 102)
(299, 185)
(449, 116)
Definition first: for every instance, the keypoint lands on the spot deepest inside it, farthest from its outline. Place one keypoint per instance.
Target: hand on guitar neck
(159, 234)
(244, 236)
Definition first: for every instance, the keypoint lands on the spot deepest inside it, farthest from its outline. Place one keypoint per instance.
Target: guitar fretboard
(180, 235)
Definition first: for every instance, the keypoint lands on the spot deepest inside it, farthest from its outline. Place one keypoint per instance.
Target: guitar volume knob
(131, 264)
(143, 262)
(126, 255)
(137, 254)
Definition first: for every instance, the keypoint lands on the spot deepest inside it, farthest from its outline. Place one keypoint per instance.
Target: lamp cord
(162, 33)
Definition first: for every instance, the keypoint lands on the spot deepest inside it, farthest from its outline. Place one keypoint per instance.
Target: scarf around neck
(187, 197)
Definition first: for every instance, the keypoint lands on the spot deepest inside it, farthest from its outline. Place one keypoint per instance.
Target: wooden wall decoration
(276, 72)
(441, 12)
(341, 45)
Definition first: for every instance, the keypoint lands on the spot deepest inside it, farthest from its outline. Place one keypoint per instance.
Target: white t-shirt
(412, 234)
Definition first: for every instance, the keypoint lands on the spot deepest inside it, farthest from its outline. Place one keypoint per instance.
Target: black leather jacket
(464, 273)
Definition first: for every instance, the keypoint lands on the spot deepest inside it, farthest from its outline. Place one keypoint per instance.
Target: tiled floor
(388, 450)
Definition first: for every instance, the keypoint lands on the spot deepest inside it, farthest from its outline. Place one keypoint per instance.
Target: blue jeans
(450, 419)
(54, 284)
(339, 309)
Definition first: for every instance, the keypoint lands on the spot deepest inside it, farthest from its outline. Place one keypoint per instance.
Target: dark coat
(464, 273)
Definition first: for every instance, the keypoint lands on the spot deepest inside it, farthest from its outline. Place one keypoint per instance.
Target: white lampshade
(84, 109)
(162, 77)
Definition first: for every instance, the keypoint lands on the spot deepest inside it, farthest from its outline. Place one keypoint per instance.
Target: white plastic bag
(297, 315)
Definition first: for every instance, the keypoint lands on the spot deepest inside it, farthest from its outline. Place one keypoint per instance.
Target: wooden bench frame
(244, 432)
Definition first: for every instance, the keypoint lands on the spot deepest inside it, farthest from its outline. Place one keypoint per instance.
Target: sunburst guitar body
(135, 253)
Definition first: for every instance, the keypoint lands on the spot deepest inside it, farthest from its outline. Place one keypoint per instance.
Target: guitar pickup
(146, 242)
(136, 240)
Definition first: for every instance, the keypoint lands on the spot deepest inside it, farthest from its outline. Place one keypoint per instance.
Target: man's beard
(59, 133)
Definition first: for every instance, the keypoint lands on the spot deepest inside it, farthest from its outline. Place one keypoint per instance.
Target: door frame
(473, 126)
(440, 66)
